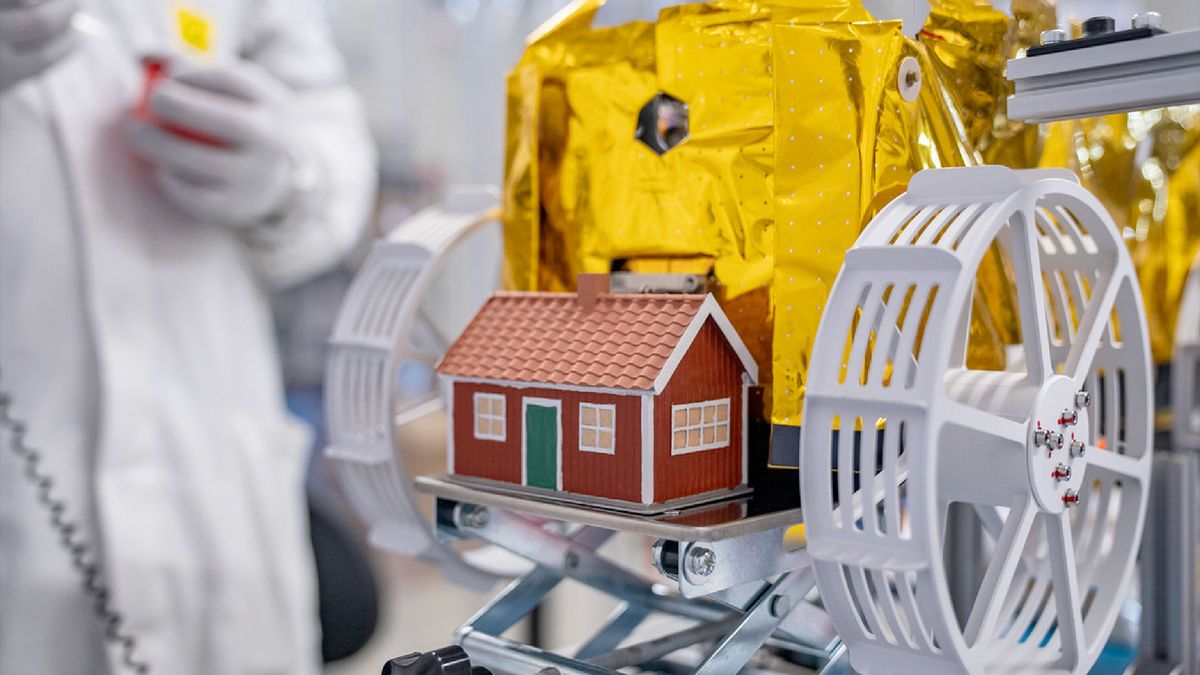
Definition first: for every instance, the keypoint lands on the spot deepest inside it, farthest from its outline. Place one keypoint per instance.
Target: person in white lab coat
(135, 338)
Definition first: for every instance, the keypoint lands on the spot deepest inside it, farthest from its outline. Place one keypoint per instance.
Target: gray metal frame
(1170, 622)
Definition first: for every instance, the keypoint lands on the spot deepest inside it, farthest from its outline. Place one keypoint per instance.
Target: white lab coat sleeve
(330, 143)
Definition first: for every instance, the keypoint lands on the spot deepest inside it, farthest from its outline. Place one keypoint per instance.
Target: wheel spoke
(422, 356)
(1031, 298)
(1091, 328)
(1120, 466)
(1066, 587)
(418, 408)
(999, 577)
(986, 426)
(984, 461)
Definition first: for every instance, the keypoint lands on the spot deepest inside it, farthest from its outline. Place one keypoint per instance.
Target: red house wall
(710, 370)
(617, 476)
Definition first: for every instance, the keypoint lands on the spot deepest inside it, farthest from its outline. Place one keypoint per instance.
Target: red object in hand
(155, 69)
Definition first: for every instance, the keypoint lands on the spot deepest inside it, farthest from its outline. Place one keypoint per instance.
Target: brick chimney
(591, 287)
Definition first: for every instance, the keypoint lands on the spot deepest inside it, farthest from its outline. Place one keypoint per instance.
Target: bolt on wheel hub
(1057, 445)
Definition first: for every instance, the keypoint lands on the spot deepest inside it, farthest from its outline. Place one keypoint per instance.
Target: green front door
(541, 446)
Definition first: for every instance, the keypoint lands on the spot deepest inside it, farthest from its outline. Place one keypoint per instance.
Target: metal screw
(1083, 400)
(701, 561)
(780, 606)
(475, 517)
(1070, 498)
(1053, 36)
(571, 561)
(1039, 437)
(1077, 448)
(1068, 417)
(1147, 20)
(1061, 472)
(1056, 440)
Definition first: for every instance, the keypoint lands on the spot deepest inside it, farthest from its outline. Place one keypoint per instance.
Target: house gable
(710, 370)
(710, 313)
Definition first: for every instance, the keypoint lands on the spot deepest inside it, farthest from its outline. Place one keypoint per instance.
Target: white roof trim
(708, 309)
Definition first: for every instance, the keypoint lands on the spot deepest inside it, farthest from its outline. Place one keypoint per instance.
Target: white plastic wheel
(381, 326)
(1185, 393)
(890, 359)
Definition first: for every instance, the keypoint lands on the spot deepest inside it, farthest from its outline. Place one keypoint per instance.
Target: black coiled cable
(82, 558)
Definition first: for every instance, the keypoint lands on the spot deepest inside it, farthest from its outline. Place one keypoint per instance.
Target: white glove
(33, 37)
(247, 177)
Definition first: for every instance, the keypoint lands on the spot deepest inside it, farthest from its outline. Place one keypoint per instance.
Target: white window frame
(701, 405)
(597, 427)
(502, 417)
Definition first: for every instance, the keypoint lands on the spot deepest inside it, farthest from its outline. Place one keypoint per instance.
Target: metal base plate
(589, 501)
(725, 519)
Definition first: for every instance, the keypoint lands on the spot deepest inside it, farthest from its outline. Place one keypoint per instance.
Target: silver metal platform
(710, 522)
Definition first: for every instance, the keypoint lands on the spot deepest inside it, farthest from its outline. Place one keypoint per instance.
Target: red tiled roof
(621, 343)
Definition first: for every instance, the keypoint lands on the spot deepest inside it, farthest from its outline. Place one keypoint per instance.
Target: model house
(613, 399)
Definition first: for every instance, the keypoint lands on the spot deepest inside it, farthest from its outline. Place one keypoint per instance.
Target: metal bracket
(1152, 72)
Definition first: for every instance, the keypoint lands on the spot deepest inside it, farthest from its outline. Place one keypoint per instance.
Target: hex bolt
(1070, 498)
(475, 517)
(780, 606)
(1054, 440)
(1077, 448)
(1061, 472)
(1053, 36)
(1099, 25)
(1039, 438)
(701, 561)
(1068, 417)
(1147, 20)
(1083, 400)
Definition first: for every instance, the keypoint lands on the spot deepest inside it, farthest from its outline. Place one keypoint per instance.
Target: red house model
(622, 400)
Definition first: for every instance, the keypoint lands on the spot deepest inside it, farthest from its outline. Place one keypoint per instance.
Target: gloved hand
(33, 36)
(245, 176)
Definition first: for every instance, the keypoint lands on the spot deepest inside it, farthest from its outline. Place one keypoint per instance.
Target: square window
(597, 427)
(693, 416)
(680, 417)
(723, 412)
(489, 417)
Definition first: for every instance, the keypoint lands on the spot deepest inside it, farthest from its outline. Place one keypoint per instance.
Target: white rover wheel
(383, 325)
(1020, 445)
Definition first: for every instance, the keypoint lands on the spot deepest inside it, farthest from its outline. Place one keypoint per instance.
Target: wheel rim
(381, 328)
(1064, 521)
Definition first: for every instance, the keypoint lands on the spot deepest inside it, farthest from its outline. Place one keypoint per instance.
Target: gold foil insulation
(801, 128)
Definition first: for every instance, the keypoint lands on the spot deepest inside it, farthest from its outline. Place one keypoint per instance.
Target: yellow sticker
(195, 29)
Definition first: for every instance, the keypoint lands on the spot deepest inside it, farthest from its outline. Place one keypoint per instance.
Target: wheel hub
(1057, 447)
